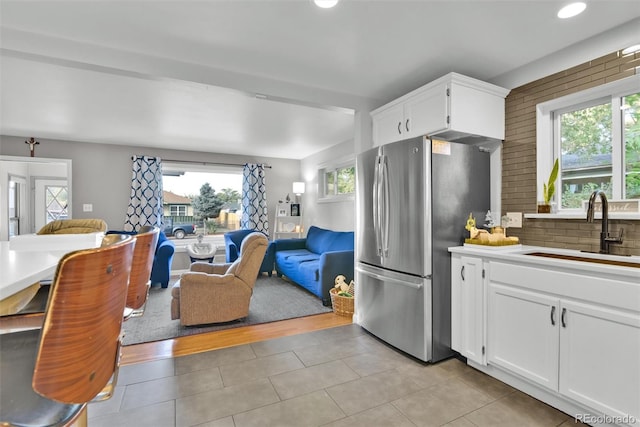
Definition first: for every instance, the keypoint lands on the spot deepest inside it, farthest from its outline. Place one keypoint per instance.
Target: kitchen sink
(586, 259)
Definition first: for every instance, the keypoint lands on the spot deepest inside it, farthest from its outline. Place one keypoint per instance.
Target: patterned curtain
(145, 205)
(254, 199)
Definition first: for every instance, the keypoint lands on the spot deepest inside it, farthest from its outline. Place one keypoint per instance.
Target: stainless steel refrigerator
(413, 200)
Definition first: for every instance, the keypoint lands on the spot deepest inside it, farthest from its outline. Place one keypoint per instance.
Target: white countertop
(20, 269)
(27, 259)
(518, 254)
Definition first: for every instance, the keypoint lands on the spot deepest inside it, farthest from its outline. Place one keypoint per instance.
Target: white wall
(339, 215)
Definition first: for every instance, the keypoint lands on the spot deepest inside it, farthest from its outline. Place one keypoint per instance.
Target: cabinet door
(388, 125)
(470, 307)
(426, 112)
(600, 358)
(476, 111)
(522, 333)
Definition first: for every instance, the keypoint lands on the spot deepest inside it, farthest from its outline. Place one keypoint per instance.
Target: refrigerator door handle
(389, 279)
(376, 206)
(385, 206)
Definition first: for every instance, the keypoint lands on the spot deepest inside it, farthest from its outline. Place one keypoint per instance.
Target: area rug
(273, 299)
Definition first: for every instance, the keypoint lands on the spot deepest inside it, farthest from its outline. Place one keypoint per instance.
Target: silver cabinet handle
(462, 273)
(563, 319)
(399, 128)
(553, 315)
(406, 125)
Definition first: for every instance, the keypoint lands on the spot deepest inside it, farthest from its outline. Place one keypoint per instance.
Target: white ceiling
(185, 74)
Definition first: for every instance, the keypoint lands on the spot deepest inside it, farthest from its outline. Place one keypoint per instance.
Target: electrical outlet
(515, 219)
(87, 207)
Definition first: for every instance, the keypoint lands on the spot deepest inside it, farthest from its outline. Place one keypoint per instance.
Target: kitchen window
(596, 135)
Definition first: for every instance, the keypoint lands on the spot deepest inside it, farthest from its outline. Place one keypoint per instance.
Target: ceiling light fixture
(631, 49)
(571, 10)
(325, 4)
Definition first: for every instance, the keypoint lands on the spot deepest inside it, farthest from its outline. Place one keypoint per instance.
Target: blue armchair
(161, 270)
(232, 242)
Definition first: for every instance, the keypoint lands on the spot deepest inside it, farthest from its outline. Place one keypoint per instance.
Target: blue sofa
(232, 242)
(161, 269)
(315, 261)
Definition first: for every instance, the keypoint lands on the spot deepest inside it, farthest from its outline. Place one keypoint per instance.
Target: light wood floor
(183, 346)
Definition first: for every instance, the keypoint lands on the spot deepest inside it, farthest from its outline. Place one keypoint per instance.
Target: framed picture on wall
(282, 212)
(295, 209)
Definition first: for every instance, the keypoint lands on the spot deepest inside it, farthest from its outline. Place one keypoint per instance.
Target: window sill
(583, 216)
(334, 199)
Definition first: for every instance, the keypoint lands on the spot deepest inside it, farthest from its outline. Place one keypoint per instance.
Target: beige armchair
(74, 226)
(214, 293)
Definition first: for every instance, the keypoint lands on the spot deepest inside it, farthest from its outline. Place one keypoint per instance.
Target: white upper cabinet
(453, 108)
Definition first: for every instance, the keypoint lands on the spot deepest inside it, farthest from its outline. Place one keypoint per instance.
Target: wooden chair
(139, 280)
(49, 374)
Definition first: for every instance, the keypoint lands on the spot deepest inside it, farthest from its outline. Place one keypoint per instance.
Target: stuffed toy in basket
(342, 296)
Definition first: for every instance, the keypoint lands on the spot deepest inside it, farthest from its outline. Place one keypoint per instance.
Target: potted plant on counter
(548, 190)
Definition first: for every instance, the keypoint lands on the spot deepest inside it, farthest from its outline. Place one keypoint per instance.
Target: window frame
(178, 208)
(323, 196)
(548, 126)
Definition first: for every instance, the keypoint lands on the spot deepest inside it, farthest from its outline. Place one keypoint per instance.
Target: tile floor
(334, 377)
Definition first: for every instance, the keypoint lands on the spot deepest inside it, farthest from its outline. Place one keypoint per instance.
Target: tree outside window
(339, 181)
(631, 136)
(588, 146)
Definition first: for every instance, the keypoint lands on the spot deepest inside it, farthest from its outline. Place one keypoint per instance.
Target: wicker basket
(342, 306)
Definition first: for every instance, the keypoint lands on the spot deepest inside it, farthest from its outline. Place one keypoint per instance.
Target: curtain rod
(195, 162)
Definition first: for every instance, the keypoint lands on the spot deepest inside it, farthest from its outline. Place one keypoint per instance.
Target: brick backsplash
(519, 157)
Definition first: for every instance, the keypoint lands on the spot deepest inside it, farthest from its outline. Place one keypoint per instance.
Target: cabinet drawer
(596, 289)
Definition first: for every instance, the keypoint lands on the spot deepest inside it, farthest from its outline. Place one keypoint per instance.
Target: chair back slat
(146, 241)
(80, 337)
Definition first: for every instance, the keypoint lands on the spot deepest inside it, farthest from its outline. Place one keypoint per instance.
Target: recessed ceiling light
(572, 10)
(325, 4)
(631, 49)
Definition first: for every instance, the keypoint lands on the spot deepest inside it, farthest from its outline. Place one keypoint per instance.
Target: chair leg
(81, 420)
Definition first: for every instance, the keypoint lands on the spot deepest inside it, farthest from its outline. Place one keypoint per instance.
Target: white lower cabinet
(566, 334)
(523, 333)
(600, 358)
(468, 307)
(586, 352)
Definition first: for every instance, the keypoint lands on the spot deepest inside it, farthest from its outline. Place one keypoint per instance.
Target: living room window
(596, 136)
(194, 191)
(337, 182)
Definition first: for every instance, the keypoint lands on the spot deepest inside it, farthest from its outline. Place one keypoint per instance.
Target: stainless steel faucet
(605, 239)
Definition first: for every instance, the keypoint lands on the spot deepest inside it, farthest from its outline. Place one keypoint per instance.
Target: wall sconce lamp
(298, 190)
